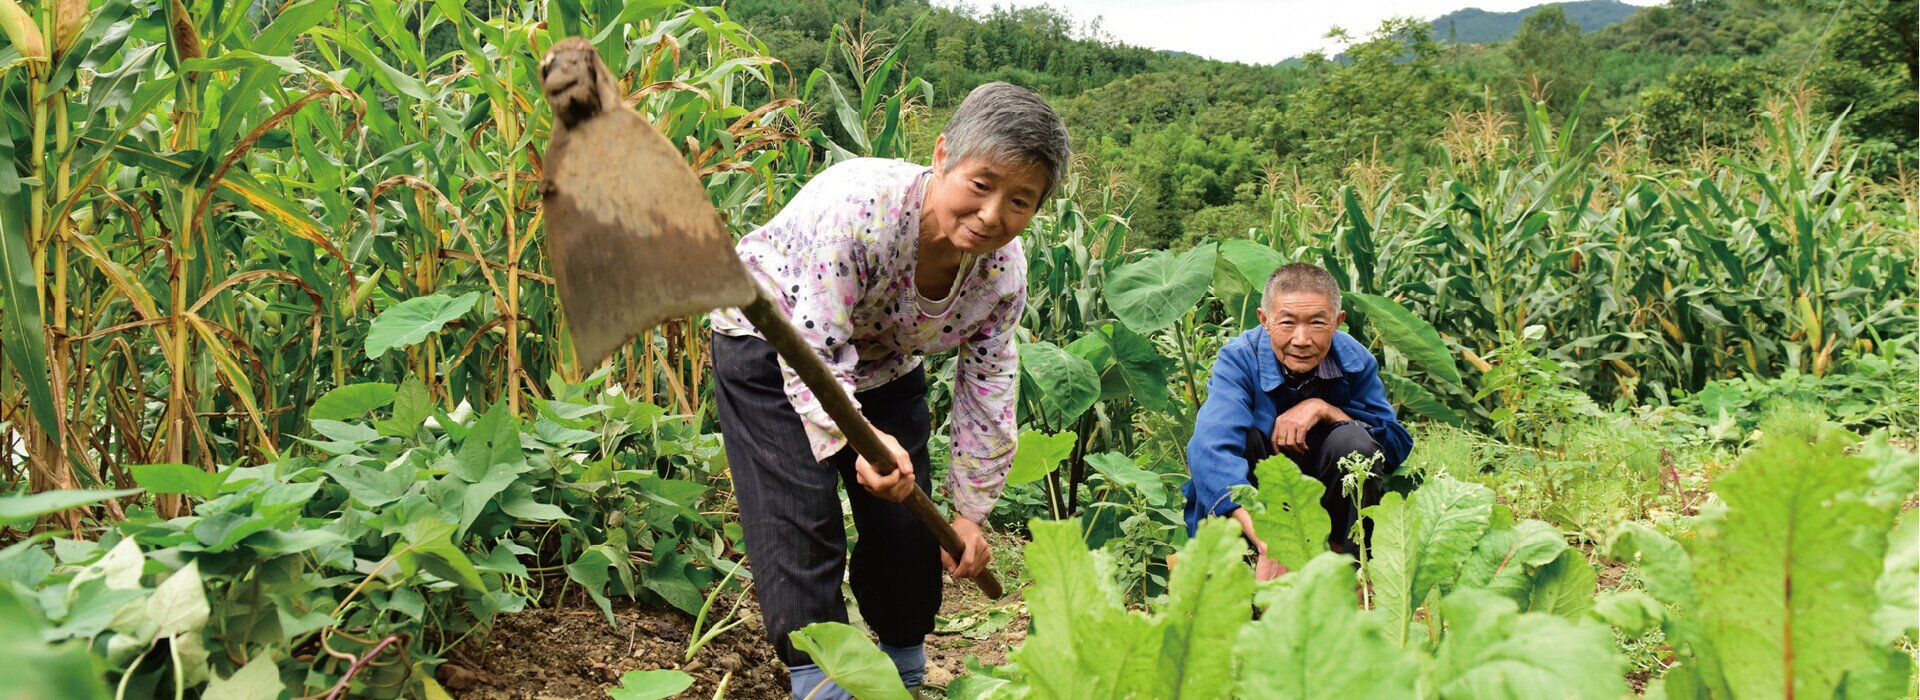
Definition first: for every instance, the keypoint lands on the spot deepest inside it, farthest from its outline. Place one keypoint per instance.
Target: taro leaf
(1206, 608)
(1505, 559)
(1563, 587)
(351, 401)
(1140, 366)
(1244, 268)
(1314, 642)
(1409, 334)
(1290, 520)
(178, 605)
(1038, 455)
(1492, 651)
(411, 407)
(1084, 643)
(1416, 399)
(179, 478)
(18, 510)
(411, 321)
(1063, 384)
(1897, 594)
(35, 669)
(851, 660)
(1119, 469)
(260, 678)
(651, 685)
(1795, 512)
(1152, 293)
(1633, 611)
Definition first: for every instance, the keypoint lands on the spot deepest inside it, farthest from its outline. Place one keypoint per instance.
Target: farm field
(289, 406)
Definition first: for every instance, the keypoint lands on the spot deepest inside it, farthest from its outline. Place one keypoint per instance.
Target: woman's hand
(894, 487)
(974, 559)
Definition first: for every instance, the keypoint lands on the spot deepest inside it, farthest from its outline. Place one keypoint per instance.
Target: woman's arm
(984, 428)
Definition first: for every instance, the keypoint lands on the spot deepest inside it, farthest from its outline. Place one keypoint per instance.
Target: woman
(880, 263)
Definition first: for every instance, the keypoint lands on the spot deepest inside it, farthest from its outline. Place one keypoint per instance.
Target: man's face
(1301, 325)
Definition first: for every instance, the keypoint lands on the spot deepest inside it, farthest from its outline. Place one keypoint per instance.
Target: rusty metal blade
(633, 239)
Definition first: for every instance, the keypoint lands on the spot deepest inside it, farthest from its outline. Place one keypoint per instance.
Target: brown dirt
(570, 652)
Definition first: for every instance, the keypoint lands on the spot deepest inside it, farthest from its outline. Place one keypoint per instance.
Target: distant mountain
(1476, 26)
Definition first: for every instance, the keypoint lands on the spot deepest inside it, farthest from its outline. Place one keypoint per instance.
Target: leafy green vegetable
(1493, 651)
(1206, 607)
(651, 685)
(411, 321)
(853, 662)
(1288, 516)
(1314, 642)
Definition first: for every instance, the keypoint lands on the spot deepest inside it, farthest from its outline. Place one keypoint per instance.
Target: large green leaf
(851, 660)
(1563, 587)
(21, 331)
(1288, 516)
(1415, 398)
(1243, 269)
(17, 510)
(1505, 559)
(260, 678)
(36, 669)
(1314, 642)
(1409, 334)
(1792, 567)
(1084, 643)
(178, 605)
(1150, 294)
(1454, 515)
(351, 401)
(411, 321)
(1896, 610)
(1140, 366)
(1063, 384)
(1038, 455)
(1206, 606)
(179, 478)
(1120, 469)
(1492, 651)
(1394, 555)
(651, 685)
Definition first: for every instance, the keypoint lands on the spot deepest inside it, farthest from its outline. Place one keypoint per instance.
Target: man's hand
(1264, 569)
(974, 559)
(1291, 428)
(894, 487)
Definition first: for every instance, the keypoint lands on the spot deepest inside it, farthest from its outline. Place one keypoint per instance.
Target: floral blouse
(840, 260)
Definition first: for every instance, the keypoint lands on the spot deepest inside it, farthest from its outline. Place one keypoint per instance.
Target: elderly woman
(880, 263)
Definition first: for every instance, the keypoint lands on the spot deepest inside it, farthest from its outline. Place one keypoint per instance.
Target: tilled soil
(569, 651)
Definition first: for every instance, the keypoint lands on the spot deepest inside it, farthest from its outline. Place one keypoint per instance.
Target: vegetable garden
(289, 410)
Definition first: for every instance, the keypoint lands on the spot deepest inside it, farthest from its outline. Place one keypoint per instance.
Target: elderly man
(1295, 385)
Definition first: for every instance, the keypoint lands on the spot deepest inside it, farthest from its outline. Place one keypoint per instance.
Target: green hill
(1476, 26)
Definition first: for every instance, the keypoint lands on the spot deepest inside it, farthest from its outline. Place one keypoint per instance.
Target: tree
(1555, 61)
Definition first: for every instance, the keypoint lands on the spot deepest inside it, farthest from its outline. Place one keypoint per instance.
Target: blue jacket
(1246, 394)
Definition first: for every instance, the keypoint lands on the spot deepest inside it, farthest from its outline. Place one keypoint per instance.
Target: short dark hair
(1302, 277)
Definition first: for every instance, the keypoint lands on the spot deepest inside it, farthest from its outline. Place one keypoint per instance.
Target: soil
(569, 651)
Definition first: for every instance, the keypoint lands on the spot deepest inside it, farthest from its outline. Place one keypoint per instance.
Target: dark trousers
(1326, 446)
(790, 506)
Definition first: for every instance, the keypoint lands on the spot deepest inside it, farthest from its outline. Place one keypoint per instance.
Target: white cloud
(1250, 31)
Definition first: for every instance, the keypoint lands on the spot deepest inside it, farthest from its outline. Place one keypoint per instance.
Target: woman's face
(979, 205)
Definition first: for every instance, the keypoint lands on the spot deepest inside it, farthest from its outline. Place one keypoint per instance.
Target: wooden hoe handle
(779, 332)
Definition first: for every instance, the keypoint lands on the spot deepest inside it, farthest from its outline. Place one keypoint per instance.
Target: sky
(1250, 31)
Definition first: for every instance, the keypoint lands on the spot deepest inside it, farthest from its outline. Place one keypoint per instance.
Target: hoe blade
(633, 238)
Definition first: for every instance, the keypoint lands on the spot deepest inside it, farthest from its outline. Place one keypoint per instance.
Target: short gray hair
(1302, 277)
(1006, 123)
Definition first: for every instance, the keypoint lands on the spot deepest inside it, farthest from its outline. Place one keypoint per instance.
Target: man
(1295, 385)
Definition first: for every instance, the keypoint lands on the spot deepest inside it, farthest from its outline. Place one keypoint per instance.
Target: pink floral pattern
(839, 260)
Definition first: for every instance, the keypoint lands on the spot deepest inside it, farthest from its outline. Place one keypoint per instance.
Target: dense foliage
(287, 401)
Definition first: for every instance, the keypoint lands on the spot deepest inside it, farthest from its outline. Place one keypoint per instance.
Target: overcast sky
(1250, 31)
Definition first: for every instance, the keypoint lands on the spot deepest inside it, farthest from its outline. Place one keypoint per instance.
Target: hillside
(1476, 26)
